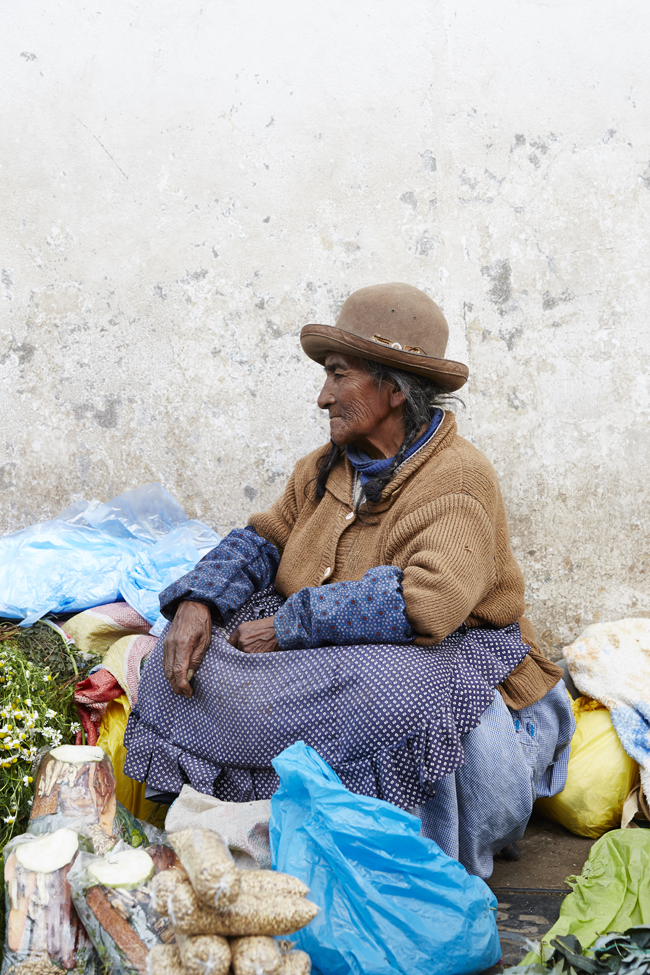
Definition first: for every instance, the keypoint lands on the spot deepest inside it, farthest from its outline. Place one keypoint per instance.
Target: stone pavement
(530, 891)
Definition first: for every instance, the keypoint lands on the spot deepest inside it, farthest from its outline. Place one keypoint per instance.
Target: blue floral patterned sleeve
(346, 613)
(242, 563)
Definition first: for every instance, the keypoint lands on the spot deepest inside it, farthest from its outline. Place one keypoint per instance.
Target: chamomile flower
(36, 708)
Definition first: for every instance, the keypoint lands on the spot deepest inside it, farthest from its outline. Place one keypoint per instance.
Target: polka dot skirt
(387, 718)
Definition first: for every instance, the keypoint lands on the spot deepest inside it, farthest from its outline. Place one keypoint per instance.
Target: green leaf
(568, 942)
(567, 946)
(527, 970)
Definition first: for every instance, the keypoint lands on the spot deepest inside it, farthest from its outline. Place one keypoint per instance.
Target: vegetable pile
(75, 817)
(80, 898)
(225, 920)
(84, 890)
(625, 954)
(75, 787)
(38, 672)
(43, 930)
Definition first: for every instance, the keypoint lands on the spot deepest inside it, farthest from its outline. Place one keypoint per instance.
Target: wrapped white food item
(43, 931)
(271, 882)
(296, 963)
(250, 914)
(75, 789)
(165, 960)
(205, 954)
(209, 865)
(255, 956)
(113, 897)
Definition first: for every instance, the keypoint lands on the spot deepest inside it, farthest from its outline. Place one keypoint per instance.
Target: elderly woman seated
(374, 612)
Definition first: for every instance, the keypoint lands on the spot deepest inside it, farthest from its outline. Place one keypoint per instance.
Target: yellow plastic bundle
(129, 792)
(600, 775)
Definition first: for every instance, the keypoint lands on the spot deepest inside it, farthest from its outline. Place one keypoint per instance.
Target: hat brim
(318, 340)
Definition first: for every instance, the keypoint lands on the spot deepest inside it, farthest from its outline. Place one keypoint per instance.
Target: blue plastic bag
(155, 568)
(91, 553)
(391, 901)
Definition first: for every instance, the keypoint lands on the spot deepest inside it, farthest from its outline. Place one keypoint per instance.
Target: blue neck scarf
(369, 468)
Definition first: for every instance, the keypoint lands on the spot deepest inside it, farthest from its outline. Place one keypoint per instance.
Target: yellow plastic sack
(129, 792)
(600, 775)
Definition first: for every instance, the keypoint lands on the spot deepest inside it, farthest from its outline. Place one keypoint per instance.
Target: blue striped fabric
(242, 563)
(371, 610)
(511, 759)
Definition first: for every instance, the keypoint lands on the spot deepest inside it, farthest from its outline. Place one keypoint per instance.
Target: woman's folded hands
(189, 635)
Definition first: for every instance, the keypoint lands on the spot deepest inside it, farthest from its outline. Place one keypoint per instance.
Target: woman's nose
(325, 399)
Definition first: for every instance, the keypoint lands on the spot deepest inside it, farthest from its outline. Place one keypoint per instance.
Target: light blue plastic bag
(392, 903)
(90, 554)
(155, 568)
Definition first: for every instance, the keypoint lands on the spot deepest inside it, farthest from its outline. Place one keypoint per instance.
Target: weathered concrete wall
(184, 185)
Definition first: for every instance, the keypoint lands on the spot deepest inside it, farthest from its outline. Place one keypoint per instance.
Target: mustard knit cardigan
(441, 520)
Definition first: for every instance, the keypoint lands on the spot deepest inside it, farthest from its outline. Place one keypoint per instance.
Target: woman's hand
(258, 636)
(185, 644)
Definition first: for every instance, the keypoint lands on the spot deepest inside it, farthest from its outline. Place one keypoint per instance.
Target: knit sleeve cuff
(371, 610)
(241, 564)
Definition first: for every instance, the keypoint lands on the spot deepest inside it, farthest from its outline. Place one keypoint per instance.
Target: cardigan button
(350, 515)
(327, 572)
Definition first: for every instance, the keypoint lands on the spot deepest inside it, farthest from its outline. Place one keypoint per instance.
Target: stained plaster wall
(184, 185)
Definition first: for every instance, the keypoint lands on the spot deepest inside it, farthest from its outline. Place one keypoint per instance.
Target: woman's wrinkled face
(357, 408)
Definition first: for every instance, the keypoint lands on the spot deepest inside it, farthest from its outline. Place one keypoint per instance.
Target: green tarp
(611, 894)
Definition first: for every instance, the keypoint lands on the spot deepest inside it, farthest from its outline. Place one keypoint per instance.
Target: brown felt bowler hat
(395, 324)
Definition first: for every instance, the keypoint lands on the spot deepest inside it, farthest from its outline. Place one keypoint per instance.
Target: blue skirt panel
(511, 759)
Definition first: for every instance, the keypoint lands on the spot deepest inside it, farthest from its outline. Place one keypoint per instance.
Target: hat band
(395, 345)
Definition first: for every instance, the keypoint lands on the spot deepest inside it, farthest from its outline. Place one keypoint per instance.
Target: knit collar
(340, 483)
(368, 468)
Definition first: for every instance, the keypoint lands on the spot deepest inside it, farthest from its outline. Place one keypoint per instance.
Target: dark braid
(325, 466)
(423, 396)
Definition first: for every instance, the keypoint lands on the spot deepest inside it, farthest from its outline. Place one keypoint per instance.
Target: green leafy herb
(622, 954)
